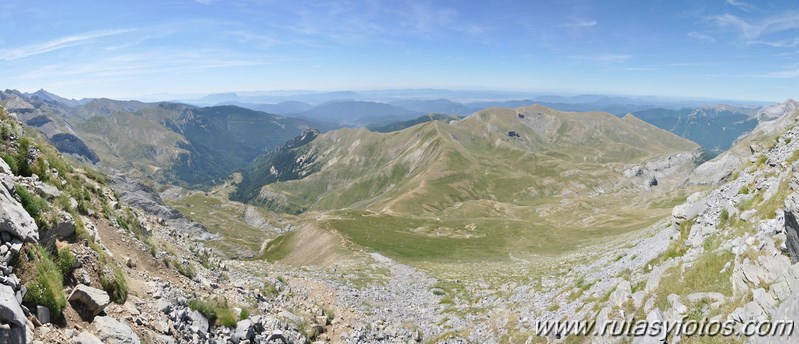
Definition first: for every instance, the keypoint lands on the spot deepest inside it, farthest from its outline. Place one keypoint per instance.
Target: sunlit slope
(501, 180)
(434, 166)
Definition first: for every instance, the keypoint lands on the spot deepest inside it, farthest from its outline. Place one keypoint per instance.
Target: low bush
(226, 317)
(64, 260)
(33, 204)
(115, 284)
(184, 269)
(205, 308)
(216, 312)
(45, 284)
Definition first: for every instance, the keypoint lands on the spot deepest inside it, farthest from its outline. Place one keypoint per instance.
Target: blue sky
(124, 49)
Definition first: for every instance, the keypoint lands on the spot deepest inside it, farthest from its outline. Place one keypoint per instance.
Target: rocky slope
(81, 266)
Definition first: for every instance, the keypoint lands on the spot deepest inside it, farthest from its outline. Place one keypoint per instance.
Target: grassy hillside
(480, 183)
(187, 144)
(133, 141)
(221, 139)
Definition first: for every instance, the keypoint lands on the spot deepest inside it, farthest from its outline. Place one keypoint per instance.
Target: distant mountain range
(713, 127)
(171, 141)
(198, 145)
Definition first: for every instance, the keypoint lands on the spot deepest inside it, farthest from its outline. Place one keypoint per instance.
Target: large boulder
(11, 314)
(93, 300)
(245, 330)
(112, 331)
(696, 203)
(15, 220)
(198, 322)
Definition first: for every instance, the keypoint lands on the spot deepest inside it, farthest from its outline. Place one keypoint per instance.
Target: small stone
(43, 314)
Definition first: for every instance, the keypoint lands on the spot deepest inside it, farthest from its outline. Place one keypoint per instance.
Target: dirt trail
(122, 246)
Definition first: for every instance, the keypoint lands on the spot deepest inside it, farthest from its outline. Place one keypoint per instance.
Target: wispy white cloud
(659, 66)
(56, 44)
(427, 19)
(789, 73)
(753, 30)
(741, 5)
(785, 43)
(204, 2)
(701, 37)
(581, 23)
(261, 39)
(604, 58)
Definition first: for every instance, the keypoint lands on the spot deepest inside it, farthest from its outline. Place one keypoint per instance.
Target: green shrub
(23, 168)
(130, 223)
(33, 204)
(761, 160)
(41, 169)
(115, 284)
(64, 260)
(12, 163)
(205, 308)
(725, 215)
(5, 132)
(226, 317)
(184, 269)
(269, 289)
(83, 207)
(46, 287)
(95, 176)
(63, 202)
(216, 312)
(244, 314)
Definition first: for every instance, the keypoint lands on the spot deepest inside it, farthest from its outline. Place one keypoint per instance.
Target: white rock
(112, 331)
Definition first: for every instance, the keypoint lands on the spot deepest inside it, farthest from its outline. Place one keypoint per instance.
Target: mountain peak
(776, 111)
